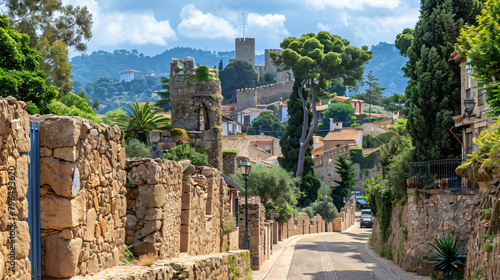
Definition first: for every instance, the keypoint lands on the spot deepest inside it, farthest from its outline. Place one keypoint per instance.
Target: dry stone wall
(154, 206)
(222, 266)
(438, 213)
(14, 232)
(483, 252)
(256, 218)
(82, 193)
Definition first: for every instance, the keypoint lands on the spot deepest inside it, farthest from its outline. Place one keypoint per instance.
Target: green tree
(237, 74)
(273, 108)
(374, 92)
(276, 188)
(139, 120)
(96, 104)
(52, 28)
(315, 60)
(481, 45)
(20, 74)
(340, 111)
(268, 124)
(164, 101)
(221, 66)
(197, 155)
(434, 85)
(345, 185)
(290, 146)
(404, 41)
(84, 96)
(337, 87)
(110, 117)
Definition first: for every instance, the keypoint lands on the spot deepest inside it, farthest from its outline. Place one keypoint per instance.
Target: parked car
(366, 212)
(366, 221)
(360, 203)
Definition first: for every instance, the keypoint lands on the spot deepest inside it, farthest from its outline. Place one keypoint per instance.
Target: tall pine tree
(434, 86)
(345, 185)
(290, 146)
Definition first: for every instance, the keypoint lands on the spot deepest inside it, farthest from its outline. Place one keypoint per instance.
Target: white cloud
(195, 24)
(136, 29)
(269, 24)
(115, 28)
(354, 4)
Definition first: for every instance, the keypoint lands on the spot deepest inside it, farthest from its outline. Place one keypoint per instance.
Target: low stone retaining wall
(437, 214)
(82, 193)
(14, 232)
(223, 266)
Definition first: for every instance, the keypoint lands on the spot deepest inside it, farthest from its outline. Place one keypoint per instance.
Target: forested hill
(386, 64)
(106, 64)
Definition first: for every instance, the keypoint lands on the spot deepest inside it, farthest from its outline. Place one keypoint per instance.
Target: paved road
(335, 256)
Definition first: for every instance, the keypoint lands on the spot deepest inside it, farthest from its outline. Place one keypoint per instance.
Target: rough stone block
(152, 195)
(58, 175)
(61, 257)
(58, 131)
(59, 213)
(67, 153)
(149, 227)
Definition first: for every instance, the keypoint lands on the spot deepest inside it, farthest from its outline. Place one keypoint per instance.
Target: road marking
(326, 261)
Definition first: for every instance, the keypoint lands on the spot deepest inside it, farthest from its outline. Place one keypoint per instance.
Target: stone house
(357, 104)
(345, 136)
(246, 116)
(473, 121)
(283, 112)
(230, 126)
(267, 143)
(130, 75)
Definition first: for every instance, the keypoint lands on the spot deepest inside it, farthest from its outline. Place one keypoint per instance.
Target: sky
(153, 26)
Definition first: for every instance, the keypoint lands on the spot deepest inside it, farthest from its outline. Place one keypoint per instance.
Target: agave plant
(450, 255)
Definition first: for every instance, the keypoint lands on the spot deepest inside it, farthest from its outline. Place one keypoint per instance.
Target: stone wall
(82, 191)
(14, 232)
(483, 252)
(236, 142)
(437, 214)
(154, 206)
(256, 217)
(251, 97)
(230, 164)
(222, 266)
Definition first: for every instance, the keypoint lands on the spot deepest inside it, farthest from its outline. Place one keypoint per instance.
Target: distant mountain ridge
(386, 64)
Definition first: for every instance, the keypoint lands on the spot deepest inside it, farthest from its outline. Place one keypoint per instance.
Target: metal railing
(437, 174)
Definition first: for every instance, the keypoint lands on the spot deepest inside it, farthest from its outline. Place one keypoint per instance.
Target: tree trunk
(306, 136)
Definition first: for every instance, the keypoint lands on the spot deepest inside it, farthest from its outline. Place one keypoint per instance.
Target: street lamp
(245, 167)
(326, 212)
(469, 106)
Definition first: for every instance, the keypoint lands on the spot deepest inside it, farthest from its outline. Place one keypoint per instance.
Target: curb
(377, 258)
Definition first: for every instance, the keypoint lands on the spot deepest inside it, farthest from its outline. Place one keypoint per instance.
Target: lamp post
(245, 167)
(326, 212)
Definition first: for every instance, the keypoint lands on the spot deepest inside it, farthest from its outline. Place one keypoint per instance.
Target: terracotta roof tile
(345, 134)
(261, 138)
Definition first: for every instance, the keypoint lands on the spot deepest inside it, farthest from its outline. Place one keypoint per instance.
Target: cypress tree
(434, 85)
(345, 185)
(221, 66)
(290, 146)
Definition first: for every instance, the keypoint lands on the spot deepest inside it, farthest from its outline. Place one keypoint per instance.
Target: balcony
(439, 174)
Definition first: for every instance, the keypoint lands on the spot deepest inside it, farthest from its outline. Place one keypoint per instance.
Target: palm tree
(139, 120)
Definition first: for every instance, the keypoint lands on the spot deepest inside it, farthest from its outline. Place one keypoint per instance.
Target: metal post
(326, 213)
(246, 241)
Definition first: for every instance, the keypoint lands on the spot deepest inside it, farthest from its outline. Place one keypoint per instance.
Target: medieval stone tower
(245, 50)
(195, 95)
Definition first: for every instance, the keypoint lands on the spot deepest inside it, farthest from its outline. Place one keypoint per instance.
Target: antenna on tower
(243, 25)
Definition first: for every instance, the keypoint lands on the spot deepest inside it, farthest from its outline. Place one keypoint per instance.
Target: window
(468, 143)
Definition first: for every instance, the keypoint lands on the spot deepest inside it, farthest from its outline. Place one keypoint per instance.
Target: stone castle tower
(245, 50)
(196, 107)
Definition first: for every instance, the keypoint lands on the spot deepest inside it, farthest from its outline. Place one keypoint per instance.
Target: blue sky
(152, 26)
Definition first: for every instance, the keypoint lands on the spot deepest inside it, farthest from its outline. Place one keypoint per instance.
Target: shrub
(229, 224)
(197, 155)
(449, 257)
(202, 73)
(135, 148)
